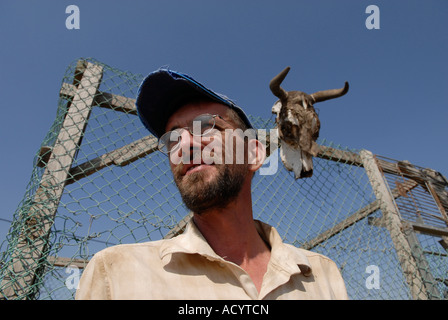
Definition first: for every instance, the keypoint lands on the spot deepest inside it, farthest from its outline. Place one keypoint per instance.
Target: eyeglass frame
(190, 130)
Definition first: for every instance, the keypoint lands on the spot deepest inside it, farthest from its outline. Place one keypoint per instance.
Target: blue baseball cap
(164, 91)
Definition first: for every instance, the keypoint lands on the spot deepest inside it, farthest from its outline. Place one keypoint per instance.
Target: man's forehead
(185, 114)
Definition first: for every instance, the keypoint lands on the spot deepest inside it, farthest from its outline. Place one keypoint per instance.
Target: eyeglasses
(200, 126)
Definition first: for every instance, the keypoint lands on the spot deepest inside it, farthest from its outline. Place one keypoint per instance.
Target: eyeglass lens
(171, 139)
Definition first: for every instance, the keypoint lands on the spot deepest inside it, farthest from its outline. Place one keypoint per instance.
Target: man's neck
(232, 234)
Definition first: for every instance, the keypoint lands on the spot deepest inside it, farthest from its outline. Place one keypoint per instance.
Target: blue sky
(398, 74)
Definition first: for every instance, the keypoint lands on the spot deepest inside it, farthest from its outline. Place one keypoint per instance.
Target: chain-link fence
(98, 181)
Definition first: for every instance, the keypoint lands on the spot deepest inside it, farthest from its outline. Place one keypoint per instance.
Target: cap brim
(164, 91)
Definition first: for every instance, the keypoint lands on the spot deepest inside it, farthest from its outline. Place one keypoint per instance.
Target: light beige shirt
(186, 267)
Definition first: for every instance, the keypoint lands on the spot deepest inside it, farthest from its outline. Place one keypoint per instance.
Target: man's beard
(199, 195)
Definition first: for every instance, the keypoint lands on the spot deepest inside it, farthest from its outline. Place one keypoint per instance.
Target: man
(223, 253)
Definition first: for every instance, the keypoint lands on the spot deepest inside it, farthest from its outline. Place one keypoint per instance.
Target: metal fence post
(394, 224)
(25, 263)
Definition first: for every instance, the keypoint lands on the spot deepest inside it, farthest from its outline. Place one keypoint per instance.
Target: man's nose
(190, 147)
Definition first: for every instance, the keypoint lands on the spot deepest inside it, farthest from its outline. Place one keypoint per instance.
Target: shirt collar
(283, 256)
(191, 241)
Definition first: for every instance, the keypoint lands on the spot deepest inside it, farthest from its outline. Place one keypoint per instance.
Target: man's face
(205, 186)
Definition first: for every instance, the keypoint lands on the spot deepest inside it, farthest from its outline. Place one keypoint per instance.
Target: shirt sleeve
(94, 284)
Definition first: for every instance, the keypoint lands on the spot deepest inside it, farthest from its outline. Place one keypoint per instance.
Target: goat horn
(329, 94)
(274, 85)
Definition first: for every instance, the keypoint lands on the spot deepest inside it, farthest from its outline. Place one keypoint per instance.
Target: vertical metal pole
(422, 263)
(394, 225)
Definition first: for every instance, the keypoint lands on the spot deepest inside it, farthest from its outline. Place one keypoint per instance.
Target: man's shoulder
(121, 251)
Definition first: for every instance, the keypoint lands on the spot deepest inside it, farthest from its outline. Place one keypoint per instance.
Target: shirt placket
(243, 277)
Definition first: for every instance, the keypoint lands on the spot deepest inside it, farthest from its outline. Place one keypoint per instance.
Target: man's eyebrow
(228, 121)
(173, 128)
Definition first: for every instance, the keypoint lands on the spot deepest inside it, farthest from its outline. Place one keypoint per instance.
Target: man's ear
(256, 154)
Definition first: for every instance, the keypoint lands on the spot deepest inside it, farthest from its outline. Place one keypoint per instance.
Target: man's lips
(191, 168)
